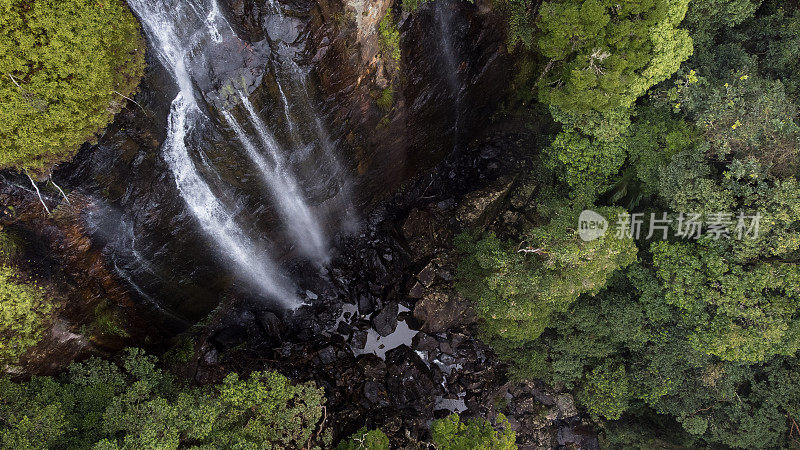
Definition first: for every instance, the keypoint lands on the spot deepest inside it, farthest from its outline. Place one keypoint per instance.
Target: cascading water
(184, 34)
(301, 222)
(331, 174)
(444, 20)
(286, 114)
(212, 215)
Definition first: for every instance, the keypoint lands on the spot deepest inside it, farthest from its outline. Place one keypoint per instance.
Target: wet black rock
(376, 394)
(271, 326)
(358, 340)
(230, 337)
(366, 303)
(409, 381)
(327, 355)
(440, 311)
(210, 356)
(344, 329)
(385, 321)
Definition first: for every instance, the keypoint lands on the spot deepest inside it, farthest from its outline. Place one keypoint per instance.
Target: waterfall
(286, 113)
(300, 221)
(175, 47)
(332, 172)
(212, 215)
(444, 19)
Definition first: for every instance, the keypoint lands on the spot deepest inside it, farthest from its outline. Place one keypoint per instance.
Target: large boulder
(440, 311)
(479, 207)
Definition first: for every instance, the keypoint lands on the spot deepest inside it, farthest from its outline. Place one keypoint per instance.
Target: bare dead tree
(14, 81)
(62, 192)
(130, 99)
(33, 183)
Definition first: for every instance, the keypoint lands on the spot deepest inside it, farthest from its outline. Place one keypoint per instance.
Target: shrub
(9, 246)
(451, 433)
(365, 440)
(386, 99)
(23, 313)
(389, 37)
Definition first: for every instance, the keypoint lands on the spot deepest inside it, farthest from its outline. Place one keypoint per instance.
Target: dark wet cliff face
(451, 76)
(314, 74)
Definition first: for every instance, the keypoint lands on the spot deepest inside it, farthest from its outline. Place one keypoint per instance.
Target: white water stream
(183, 33)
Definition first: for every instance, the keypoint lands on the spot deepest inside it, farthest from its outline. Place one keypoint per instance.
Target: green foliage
(9, 246)
(584, 163)
(520, 27)
(653, 139)
(386, 100)
(603, 55)
(706, 18)
(136, 405)
(607, 391)
(626, 351)
(182, 352)
(107, 322)
(738, 313)
(412, 5)
(451, 433)
(747, 117)
(691, 184)
(695, 345)
(515, 293)
(64, 69)
(773, 39)
(23, 315)
(366, 440)
(389, 37)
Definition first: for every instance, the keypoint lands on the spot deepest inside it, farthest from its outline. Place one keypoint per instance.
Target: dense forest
(682, 337)
(651, 271)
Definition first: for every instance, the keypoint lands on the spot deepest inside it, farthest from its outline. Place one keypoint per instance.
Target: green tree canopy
(516, 292)
(604, 54)
(695, 344)
(746, 116)
(99, 404)
(451, 433)
(630, 357)
(66, 67)
(585, 164)
(24, 312)
(738, 312)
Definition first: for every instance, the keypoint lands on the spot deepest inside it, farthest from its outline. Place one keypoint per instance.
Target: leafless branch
(60, 190)
(38, 193)
(14, 81)
(538, 251)
(130, 99)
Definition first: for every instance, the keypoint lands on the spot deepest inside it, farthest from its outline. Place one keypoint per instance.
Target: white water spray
(161, 23)
(300, 221)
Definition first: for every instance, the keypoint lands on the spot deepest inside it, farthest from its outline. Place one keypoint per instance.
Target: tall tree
(605, 54)
(66, 67)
